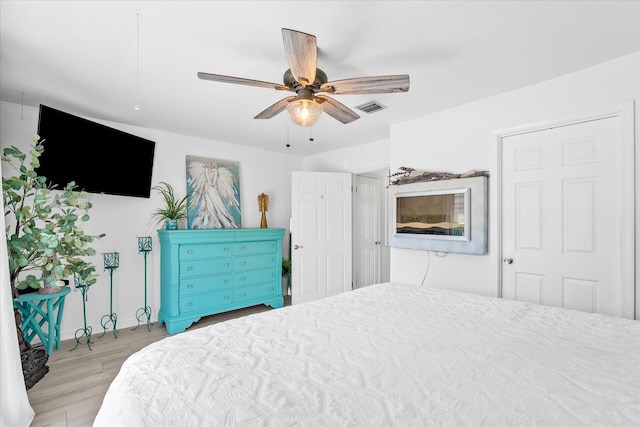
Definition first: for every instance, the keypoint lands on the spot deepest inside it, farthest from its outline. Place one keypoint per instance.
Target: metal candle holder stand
(144, 247)
(83, 286)
(111, 262)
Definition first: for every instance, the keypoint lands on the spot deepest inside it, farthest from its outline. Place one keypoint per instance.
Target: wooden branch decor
(406, 175)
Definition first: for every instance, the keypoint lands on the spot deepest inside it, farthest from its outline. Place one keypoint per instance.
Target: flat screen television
(442, 216)
(98, 158)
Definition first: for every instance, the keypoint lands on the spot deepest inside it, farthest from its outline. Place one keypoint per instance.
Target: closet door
(564, 200)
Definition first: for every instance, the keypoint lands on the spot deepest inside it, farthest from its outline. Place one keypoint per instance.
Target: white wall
(464, 138)
(363, 158)
(123, 219)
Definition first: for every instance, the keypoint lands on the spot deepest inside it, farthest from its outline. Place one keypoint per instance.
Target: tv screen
(99, 159)
(438, 213)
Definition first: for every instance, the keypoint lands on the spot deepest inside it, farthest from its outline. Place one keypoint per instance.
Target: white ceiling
(98, 59)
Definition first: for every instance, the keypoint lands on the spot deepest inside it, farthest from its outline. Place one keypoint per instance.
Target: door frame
(625, 111)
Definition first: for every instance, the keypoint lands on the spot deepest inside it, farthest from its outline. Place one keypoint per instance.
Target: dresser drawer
(205, 267)
(256, 261)
(210, 250)
(190, 286)
(252, 277)
(249, 248)
(205, 301)
(256, 291)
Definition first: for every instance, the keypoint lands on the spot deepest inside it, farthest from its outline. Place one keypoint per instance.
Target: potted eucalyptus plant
(44, 242)
(174, 209)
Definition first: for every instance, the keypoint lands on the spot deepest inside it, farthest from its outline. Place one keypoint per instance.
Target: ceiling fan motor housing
(290, 81)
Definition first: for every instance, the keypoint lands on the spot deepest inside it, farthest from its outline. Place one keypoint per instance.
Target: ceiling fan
(307, 81)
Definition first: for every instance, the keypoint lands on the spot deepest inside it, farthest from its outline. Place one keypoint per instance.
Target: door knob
(508, 260)
(298, 247)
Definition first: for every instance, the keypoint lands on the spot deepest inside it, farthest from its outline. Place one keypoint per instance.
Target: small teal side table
(37, 311)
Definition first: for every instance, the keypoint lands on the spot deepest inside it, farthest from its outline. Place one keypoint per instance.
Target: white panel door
(320, 235)
(563, 206)
(366, 226)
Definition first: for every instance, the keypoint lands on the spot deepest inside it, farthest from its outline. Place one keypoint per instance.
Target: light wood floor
(71, 393)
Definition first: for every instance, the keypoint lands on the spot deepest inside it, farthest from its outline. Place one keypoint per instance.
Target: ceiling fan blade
(241, 81)
(336, 110)
(302, 55)
(276, 108)
(377, 84)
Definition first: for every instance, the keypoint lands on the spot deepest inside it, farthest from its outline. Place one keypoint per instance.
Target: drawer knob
(226, 297)
(271, 260)
(243, 294)
(243, 278)
(189, 286)
(190, 251)
(271, 274)
(226, 264)
(226, 249)
(226, 280)
(189, 304)
(242, 248)
(189, 268)
(270, 289)
(243, 263)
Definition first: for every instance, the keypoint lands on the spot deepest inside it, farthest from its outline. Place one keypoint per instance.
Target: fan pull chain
(288, 144)
(137, 106)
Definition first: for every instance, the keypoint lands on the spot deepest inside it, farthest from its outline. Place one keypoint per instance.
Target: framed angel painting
(213, 187)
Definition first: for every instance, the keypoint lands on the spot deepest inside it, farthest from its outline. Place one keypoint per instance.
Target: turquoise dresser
(204, 272)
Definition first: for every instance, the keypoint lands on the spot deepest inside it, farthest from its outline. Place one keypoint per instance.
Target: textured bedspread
(388, 355)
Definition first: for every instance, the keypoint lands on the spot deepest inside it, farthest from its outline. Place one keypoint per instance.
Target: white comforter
(388, 355)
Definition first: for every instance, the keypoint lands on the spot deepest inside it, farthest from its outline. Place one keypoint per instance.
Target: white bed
(388, 355)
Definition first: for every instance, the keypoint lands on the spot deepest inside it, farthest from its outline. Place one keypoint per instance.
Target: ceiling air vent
(371, 107)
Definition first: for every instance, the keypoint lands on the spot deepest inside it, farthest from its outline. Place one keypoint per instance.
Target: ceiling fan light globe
(304, 112)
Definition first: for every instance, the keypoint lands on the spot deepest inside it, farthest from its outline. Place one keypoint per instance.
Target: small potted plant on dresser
(174, 209)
